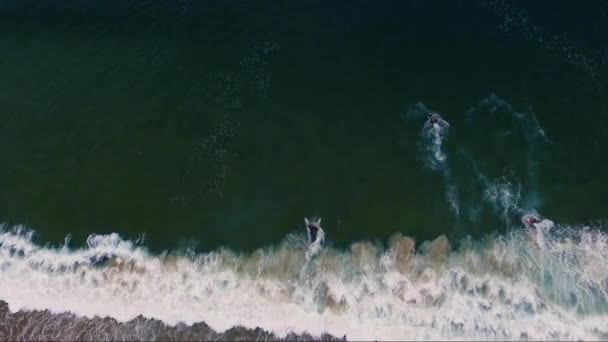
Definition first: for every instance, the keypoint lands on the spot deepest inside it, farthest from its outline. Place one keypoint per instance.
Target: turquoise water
(206, 124)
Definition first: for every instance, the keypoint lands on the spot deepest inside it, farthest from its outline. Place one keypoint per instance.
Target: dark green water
(226, 122)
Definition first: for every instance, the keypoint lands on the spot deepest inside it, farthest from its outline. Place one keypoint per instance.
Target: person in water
(316, 236)
(435, 120)
(538, 228)
(529, 220)
(312, 229)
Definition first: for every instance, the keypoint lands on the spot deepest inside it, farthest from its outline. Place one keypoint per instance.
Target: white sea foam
(500, 288)
(510, 194)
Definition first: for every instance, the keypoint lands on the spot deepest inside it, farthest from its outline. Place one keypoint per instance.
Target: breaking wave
(500, 287)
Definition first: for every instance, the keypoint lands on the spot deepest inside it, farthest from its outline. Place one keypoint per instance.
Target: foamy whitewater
(542, 281)
(504, 287)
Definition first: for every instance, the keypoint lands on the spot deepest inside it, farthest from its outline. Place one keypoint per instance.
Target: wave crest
(503, 287)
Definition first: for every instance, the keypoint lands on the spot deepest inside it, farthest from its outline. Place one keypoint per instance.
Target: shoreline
(44, 325)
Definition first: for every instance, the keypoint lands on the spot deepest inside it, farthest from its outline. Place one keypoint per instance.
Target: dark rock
(47, 326)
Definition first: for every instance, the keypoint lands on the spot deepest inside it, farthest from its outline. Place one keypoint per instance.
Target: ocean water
(159, 159)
